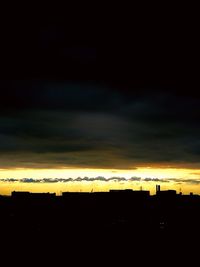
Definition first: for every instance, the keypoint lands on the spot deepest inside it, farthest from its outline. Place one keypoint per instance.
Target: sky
(80, 111)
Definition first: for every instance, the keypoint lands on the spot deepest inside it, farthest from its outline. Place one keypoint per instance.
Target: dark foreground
(100, 228)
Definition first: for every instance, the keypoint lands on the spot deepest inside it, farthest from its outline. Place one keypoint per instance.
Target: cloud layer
(101, 179)
(52, 125)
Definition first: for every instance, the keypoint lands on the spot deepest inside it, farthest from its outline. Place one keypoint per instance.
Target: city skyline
(99, 135)
(186, 181)
(76, 106)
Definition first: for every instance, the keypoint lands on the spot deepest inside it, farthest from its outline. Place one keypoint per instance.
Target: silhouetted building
(132, 192)
(166, 193)
(24, 194)
(20, 194)
(67, 194)
(157, 188)
(42, 195)
(121, 191)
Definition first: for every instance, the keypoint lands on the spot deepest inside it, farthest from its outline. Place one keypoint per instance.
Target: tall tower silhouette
(157, 189)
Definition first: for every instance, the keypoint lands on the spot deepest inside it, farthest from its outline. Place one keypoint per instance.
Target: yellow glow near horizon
(79, 172)
(143, 172)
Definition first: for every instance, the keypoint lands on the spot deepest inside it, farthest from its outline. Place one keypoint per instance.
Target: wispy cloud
(187, 181)
(29, 180)
(11, 180)
(156, 180)
(135, 178)
(102, 179)
(66, 180)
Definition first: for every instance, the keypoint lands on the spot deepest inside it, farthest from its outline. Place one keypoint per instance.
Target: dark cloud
(64, 180)
(10, 180)
(63, 124)
(101, 179)
(187, 181)
(30, 180)
(135, 179)
(118, 179)
(156, 180)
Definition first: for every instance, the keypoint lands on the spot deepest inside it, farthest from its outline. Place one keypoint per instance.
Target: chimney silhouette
(157, 189)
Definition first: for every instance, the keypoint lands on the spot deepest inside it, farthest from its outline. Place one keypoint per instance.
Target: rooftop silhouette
(122, 220)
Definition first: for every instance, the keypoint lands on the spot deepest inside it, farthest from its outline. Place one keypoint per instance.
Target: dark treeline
(124, 222)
